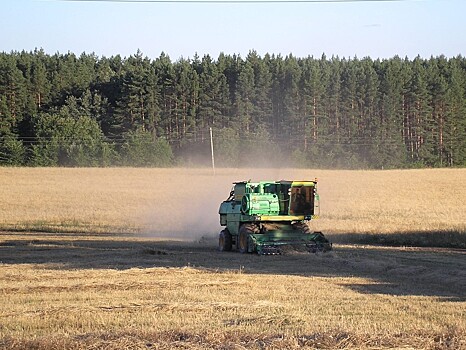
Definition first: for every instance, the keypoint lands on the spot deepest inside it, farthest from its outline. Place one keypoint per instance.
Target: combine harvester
(267, 216)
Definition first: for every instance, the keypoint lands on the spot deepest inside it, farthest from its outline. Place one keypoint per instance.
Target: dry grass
(118, 284)
(118, 292)
(428, 205)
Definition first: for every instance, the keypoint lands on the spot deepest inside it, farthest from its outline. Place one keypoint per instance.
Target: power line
(283, 141)
(234, 1)
(324, 138)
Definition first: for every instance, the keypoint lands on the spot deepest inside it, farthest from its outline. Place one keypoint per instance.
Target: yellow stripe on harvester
(282, 217)
(302, 183)
(285, 217)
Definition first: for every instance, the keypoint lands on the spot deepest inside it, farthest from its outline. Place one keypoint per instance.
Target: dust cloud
(186, 216)
(185, 206)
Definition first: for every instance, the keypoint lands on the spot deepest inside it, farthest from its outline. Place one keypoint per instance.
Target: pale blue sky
(375, 29)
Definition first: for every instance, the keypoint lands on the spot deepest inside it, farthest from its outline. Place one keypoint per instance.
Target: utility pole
(212, 150)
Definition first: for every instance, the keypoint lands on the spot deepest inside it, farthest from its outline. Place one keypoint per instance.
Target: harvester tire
(303, 227)
(243, 239)
(224, 241)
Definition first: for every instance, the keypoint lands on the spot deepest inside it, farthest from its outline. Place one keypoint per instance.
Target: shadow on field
(442, 239)
(393, 271)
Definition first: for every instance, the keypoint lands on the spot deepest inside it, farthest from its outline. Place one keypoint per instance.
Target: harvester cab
(266, 216)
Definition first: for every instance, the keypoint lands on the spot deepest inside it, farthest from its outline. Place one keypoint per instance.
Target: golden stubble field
(185, 201)
(126, 259)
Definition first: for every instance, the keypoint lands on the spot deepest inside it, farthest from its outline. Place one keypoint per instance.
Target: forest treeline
(69, 110)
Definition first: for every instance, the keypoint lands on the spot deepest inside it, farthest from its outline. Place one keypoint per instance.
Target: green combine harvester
(267, 216)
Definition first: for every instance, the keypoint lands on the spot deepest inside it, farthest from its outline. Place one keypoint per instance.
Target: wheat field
(184, 202)
(126, 259)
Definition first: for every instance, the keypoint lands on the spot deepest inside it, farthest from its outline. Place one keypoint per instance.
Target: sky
(377, 29)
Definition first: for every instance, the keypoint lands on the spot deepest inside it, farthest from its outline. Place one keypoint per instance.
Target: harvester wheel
(303, 227)
(224, 241)
(243, 240)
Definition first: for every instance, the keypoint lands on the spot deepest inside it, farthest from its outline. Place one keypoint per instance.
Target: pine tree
(213, 97)
(419, 116)
(392, 152)
(137, 106)
(262, 103)
(244, 99)
(454, 124)
(313, 85)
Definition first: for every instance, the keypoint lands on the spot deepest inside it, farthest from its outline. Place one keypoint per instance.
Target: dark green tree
(143, 149)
